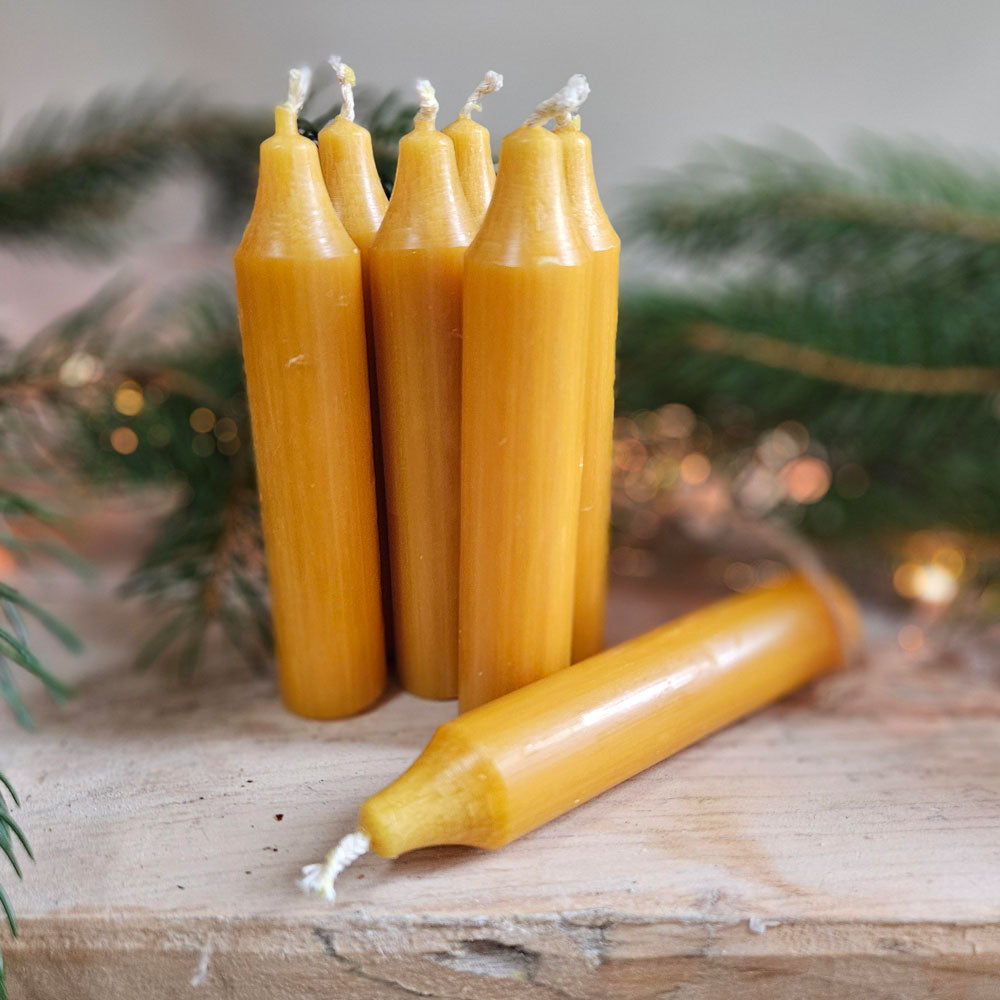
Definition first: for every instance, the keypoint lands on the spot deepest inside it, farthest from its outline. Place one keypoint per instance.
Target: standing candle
(348, 164)
(298, 283)
(599, 402)
(501, 770)
(524, 355)
(472, 150)
(416, 281)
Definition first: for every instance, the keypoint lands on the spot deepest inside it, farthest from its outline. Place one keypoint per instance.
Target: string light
(79, 369)
(129, 399)
(202, 420)
(124, 440)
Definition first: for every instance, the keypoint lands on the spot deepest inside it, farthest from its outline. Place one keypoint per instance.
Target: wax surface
(352, 181)
(298, 281)
(598, 399)
(507, 767)
(524, 354)
(475, 164)
(416, 281)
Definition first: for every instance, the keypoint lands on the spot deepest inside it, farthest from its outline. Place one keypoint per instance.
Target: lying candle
(598, 398)
(298, 285)
(523, 364)
(505, 768)
(416, 283)
(472, 150)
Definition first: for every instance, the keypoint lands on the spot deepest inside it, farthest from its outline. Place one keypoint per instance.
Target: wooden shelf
(843, 844)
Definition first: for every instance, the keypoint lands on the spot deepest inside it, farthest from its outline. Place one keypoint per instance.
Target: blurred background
(809, 366)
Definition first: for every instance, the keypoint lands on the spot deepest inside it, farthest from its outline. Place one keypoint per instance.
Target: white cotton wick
(299, 81)
(428, 102)
(563, 104)
(320, 878)
(489, 84)
(346, 79)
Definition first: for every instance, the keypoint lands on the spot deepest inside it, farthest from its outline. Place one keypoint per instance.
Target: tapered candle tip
(563, 104)
(428, 101)
(320, 879)
(347, 80)
(489, 84)
(299, 81)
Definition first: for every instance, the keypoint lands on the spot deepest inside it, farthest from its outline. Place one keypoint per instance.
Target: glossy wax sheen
(524, 333)
(492, 774)
(604, 247)
(298, 282)
(416, 280)
(475, 164)
(355, 189)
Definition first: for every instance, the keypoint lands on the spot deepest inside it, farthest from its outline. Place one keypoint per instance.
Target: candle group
(486, 308)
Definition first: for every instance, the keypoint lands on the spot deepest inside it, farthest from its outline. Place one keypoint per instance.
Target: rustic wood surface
(843, 844)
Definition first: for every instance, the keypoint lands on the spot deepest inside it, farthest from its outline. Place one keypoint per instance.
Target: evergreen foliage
(859, 300)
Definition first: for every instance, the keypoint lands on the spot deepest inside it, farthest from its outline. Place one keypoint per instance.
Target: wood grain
(843, 844)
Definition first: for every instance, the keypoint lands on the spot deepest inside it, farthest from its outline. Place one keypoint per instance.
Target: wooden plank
(843, 844)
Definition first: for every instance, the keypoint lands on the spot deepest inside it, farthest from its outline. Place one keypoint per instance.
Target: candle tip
(489, 84)
(428, 101)
(320, 879)
(347, 80)
(299, 81)
(563, 104)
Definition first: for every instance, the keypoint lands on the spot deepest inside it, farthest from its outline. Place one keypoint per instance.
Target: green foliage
(886, 271)
(10, 836)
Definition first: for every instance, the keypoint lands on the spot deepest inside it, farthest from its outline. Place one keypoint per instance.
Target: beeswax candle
(524, 354)
(416, 282)
(598, 400)
(472, 150)
(298, 283)
(352, 180)
(503, 769)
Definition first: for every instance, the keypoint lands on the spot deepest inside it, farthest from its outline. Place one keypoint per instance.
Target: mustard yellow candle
(416, 283)
(524, 357)
(598, 401)
(352, 180)
(503, 769)
(298, 284)
(472, 150)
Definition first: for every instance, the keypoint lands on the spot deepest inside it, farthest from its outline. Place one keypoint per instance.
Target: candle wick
(428, 102)
(299, 81)
(320, 878)
(346, 79)
(489, 84)
(563, 104)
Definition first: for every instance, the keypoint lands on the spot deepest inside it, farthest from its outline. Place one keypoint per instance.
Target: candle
(345, 154)
(598, 402)
(352, 180)
(524, 355)
(472, 150)
(298, 283)
(416, 281)
(503, 769)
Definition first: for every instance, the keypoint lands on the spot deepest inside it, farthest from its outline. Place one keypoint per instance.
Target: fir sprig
(858, 299)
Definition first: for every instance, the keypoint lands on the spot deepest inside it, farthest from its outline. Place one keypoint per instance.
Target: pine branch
(69, 177)
(9, 832)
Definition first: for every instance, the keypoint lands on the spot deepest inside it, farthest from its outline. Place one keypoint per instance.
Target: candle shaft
(598, 401)
(355, 189)
(416, 280)
(524, 352)
(298, 281)
(503, 769)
